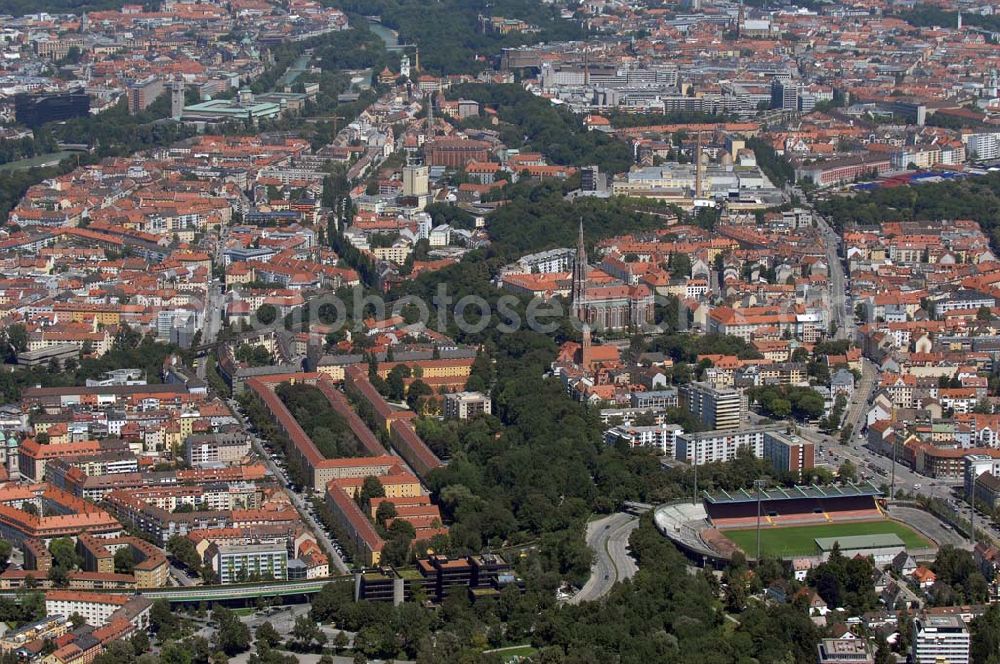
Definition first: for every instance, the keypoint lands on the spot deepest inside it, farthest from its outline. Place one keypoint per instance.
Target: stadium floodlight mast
(694, 499)
(758, 485)
(972, 513)
(892, 480)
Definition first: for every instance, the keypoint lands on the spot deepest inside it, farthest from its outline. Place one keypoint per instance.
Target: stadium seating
(792, 511)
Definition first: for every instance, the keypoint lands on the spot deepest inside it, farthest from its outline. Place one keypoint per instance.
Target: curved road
(608, 537)
(929, 525)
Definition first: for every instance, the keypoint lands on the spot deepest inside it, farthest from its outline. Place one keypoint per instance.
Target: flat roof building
(940, 638)
(788, 452)
(244, 107)
(463, 405)
(715, 408)
(845, 651)
(235, 563)
(883, 548)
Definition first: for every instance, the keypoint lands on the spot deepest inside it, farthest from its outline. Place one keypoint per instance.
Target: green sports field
(792, 541)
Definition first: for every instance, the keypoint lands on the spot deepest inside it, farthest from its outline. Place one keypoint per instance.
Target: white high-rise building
(940, 639)
(982, 146)
(424, 225)
(404, 66)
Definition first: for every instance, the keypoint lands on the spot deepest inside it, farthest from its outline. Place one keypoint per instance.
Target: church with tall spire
(601, 301)
(580, 279)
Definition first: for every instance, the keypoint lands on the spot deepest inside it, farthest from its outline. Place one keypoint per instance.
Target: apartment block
(236, 563)
(465, 405)
(660, 437)
(715, 408)
(788, 452)
(215, 448)
(939, 639)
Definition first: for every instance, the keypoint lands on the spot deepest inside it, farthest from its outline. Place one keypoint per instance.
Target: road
(839, 304)
(841, 313)
(928, 524)
(214, 303)
(855, 417)
(181, 577)
(608, 538)
(877, 467)
(297, 500)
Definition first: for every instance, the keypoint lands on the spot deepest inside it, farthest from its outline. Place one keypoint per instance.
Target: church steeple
(585, 348)
(580, 278)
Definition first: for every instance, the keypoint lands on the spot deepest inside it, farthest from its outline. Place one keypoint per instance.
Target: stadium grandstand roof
(830, 491)
(854, 542)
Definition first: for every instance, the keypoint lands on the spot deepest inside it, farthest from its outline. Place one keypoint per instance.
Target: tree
(340, 641)
(176, 652)
(183, 550)
(779, 408)
(845, 582)
(848, 472)
(267, 635)
(395, 381)
(17, 337)
(958, 577)
(396, 551)
(332, 602)
(5, 551)
(77, 620)
(736, 595)
(124, 561)
(985, 630)
(386, 510)
(162, 620)
(307, 634)
(64, 553)
(680, 264)
(370, 488)
(905, 629)
(232, 637)
(254, 355)
(116, 652)
(267, 313)
(59, 576)
(140, 643)
(418, 390)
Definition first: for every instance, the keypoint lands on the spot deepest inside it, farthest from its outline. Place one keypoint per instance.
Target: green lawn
(50, 159)
(798, 540)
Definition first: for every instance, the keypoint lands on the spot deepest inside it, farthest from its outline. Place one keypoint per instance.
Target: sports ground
(794, 541)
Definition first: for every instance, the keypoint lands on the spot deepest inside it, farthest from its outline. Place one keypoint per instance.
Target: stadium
(793, 522)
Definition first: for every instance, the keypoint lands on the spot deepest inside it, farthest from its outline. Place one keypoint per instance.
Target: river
(294, 70)
(388, 36)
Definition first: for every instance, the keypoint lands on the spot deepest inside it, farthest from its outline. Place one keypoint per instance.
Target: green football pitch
(792, 541)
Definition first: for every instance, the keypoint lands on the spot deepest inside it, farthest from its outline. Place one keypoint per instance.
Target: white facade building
(940, 639)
